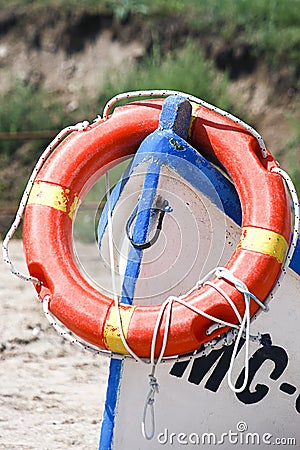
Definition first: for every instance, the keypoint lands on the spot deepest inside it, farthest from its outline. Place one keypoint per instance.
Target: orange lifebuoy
(81, 159)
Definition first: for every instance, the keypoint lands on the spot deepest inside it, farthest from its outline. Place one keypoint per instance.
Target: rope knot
(154, 386)
(154, 389)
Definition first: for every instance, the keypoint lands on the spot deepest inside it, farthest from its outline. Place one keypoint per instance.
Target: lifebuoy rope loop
(81, 127)
(88, 315)
(166, 92)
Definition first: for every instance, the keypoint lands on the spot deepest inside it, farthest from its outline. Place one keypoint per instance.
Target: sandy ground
(51, 393)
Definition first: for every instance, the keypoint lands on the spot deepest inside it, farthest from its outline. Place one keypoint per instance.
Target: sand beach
(51, 393)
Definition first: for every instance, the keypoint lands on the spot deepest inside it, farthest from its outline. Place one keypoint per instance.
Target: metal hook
(162, 207)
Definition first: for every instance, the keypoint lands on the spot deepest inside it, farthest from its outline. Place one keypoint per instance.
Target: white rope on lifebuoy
(192, 98)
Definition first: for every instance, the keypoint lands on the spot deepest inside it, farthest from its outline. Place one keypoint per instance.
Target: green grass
(290, 153)
(270, 27)
(185, 70)
(24, 108)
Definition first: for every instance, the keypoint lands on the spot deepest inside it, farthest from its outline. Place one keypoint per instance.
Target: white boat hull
(198, 400)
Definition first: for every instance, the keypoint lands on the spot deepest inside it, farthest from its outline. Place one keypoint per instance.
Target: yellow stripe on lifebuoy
(55, 196)
(264, 241)
(195, 107)
(111, 335)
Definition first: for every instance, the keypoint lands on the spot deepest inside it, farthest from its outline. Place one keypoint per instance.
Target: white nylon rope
(192, 98)
(243, 329)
